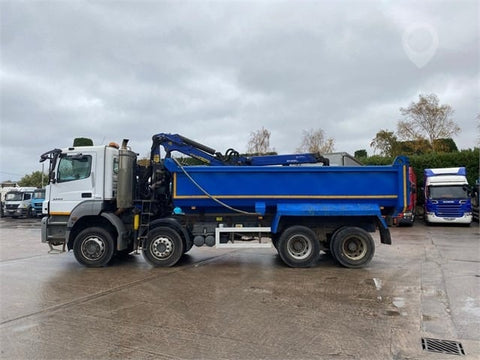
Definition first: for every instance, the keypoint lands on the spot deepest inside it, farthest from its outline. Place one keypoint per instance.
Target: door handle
(86, 195)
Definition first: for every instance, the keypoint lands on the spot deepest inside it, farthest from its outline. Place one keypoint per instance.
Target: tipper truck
(101, 202)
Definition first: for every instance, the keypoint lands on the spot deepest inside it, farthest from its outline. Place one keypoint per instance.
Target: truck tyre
(298, 247)
(352, 247)
(163, 247)
(93, 247)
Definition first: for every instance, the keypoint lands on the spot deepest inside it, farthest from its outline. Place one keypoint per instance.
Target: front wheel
(352, 247)
(163, 247)
(93, 247)
(298, 247)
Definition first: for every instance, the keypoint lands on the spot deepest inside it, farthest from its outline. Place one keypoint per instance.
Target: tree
(35, 179)
(82, 142)
(427, 119)
(445, 145)
(259, 142)
(360, 154)
(414, 147)
(314, 142)
(386, 143)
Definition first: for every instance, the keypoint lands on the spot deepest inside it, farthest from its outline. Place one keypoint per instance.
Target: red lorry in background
(407, 217)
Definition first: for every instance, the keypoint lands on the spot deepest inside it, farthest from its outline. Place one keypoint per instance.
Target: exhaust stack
(126, 179)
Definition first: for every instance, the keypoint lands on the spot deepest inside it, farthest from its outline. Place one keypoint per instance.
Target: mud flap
(385, 237)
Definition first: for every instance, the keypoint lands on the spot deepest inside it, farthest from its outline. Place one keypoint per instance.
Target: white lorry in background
(447, 198)
(18, 202)
(3, 192)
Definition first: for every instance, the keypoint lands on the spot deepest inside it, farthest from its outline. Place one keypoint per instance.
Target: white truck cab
(86, 173)
(81, 194)
(18, 202)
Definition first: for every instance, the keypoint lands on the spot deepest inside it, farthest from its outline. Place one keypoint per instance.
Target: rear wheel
(298, 247)
(352, 247)
(163, 247)
(93, 247)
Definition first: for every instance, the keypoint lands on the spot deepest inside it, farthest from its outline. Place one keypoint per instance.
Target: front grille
(449, 210)
(38, 206)
(442, 346)
(11, 207)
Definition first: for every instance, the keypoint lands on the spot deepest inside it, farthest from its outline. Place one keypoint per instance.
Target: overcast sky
(215, 71)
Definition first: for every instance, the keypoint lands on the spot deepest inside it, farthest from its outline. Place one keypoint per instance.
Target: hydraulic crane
(175, 142)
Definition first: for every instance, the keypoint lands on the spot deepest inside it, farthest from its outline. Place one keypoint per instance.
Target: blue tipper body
(292, 190)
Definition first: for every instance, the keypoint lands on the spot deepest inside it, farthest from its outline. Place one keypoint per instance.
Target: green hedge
(468, 158)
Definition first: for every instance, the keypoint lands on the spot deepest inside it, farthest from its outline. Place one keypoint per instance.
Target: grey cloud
(215, 71)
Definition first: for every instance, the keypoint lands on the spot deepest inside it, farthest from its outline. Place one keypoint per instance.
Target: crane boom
(176, 142)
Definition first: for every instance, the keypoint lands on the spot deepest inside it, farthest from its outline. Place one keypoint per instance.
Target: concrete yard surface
(243, 303)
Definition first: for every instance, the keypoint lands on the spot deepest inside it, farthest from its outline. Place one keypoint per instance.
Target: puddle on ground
(258, 290)
(470, 306)
(427, 318)
(398, 302)
(378, 283)
(392, 313)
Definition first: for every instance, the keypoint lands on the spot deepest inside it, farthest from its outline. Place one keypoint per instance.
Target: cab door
(74, 182)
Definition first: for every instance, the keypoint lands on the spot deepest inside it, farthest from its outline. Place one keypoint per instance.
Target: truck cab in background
(3, 192)
(18, 202)
(447, 198)
(37, 202)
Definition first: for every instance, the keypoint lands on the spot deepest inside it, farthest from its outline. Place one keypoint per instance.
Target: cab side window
(74, 167)
(115, 166)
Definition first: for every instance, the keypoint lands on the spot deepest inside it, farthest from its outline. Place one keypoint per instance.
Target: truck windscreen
(75, 167)
(39, 194)
(13, 197)
(448, 192)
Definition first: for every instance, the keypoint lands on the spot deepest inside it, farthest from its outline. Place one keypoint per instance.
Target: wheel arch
(327, 224)
(176, 225)
(90, 221)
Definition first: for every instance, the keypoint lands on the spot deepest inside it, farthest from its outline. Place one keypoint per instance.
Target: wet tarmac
(241, 304)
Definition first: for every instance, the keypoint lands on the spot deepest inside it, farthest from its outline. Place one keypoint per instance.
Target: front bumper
(15, 212)
(465, 219)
